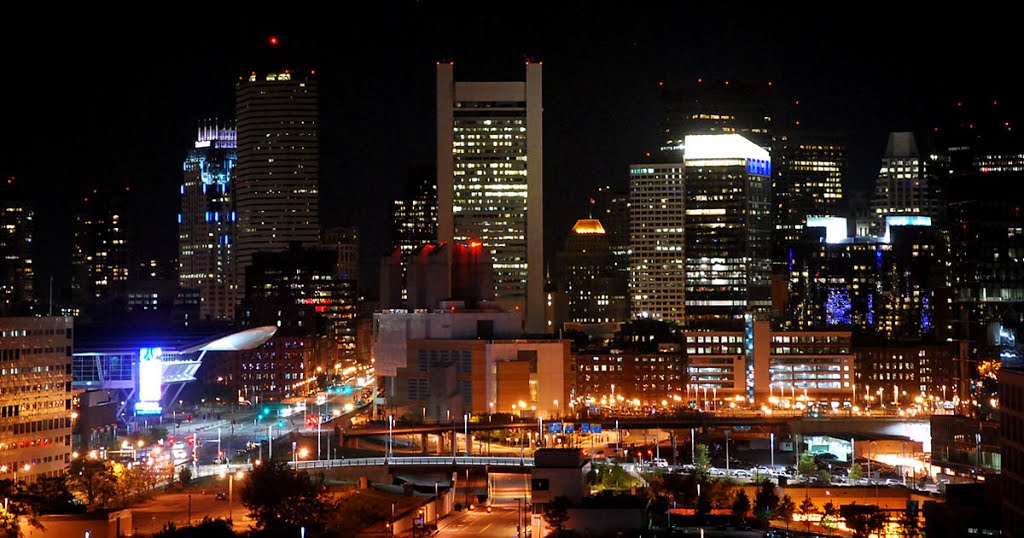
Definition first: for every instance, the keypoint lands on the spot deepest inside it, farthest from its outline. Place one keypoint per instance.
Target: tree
(862, 520)
(805, 509)
(909, 526)
(702, 462)
(51, 495)
(185, 476)
(784, 510)
(703, 505)
(830, 517)
(856, 472)
(720, 492)
(556, 513)
(207, 528)
(807, 466)
(741, 505)
(280, 501)
(765, 501)
(10, 526)
(92, 480)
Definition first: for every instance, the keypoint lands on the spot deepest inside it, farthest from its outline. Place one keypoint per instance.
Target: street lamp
(231, 490)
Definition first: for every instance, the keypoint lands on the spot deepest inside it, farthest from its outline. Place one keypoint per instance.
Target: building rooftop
(588, 226)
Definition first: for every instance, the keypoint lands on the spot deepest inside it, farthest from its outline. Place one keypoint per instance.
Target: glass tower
(206, 224)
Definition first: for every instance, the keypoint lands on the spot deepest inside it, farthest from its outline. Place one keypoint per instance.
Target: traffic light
(170, 440)
(312, 421)
(190, 440)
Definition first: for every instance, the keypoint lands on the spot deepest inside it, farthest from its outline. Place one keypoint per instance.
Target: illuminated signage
(150, 377)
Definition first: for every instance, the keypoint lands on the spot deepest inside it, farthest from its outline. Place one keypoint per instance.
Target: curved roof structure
(588, 226)
(240, 341)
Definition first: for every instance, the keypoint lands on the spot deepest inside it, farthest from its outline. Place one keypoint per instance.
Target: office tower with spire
(206, 224)
(657, 270)
(908, 183)
(586, 273)
(490, 183)
(278, 171)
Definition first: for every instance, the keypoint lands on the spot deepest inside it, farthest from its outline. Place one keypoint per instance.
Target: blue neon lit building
(207, 222)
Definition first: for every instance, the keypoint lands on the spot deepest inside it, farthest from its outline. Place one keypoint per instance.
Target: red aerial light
(769, 83)
(727, 83)
(274, 41)
(700, 81)
(660, 83)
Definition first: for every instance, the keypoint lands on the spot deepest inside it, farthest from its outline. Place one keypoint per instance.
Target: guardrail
(417, 461)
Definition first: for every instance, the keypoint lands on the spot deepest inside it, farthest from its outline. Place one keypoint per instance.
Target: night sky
(98, 104)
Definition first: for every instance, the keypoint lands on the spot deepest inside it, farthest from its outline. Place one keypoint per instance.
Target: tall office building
(16, 272)
(278, 169)
(908, 182)
(808, 182)
(302, 292)
(596, 292)
(100, 257)
(206, 224)
(413, 225)
(657, 270)
(715, 107)
(490, 183)
(344, 241)
(35, 395)
(728, 230)
(414, 216)
(611, 207)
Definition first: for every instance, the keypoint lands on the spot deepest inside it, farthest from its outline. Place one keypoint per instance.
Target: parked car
(742, 473)
(221, 496)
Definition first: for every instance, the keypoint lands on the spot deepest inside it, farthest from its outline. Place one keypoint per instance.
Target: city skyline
(869, 93)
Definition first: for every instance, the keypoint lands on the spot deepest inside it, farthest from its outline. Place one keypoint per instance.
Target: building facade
(207, 221)
(596, 291)
(35, 396)
(630, 379)
(302, 292)
(728, 230)
(908, 181)
(657, 265)
(901, 373)
(809, 172)
(490, 180)
(446, 378)
(100, 259)
(278, 170)
(1011, 407)
(17, 224)
(764, 367)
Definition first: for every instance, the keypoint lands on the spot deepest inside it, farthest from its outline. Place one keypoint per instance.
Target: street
(501, 522)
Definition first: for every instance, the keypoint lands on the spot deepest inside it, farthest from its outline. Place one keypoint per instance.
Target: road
(500, 523)
(153, 514)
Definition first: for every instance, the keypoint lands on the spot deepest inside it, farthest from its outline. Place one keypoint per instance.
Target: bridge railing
(418, 461)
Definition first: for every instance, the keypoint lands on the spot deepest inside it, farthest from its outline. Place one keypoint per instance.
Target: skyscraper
(710, 107)
(100, 257)
(657, 270)
(809, 171)
(278, 171)
(16, 273)
(596, 292)
(908, 182)
(728, 230)
(414, 216)
(206, 224)
(413, 225)
(490, 183)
